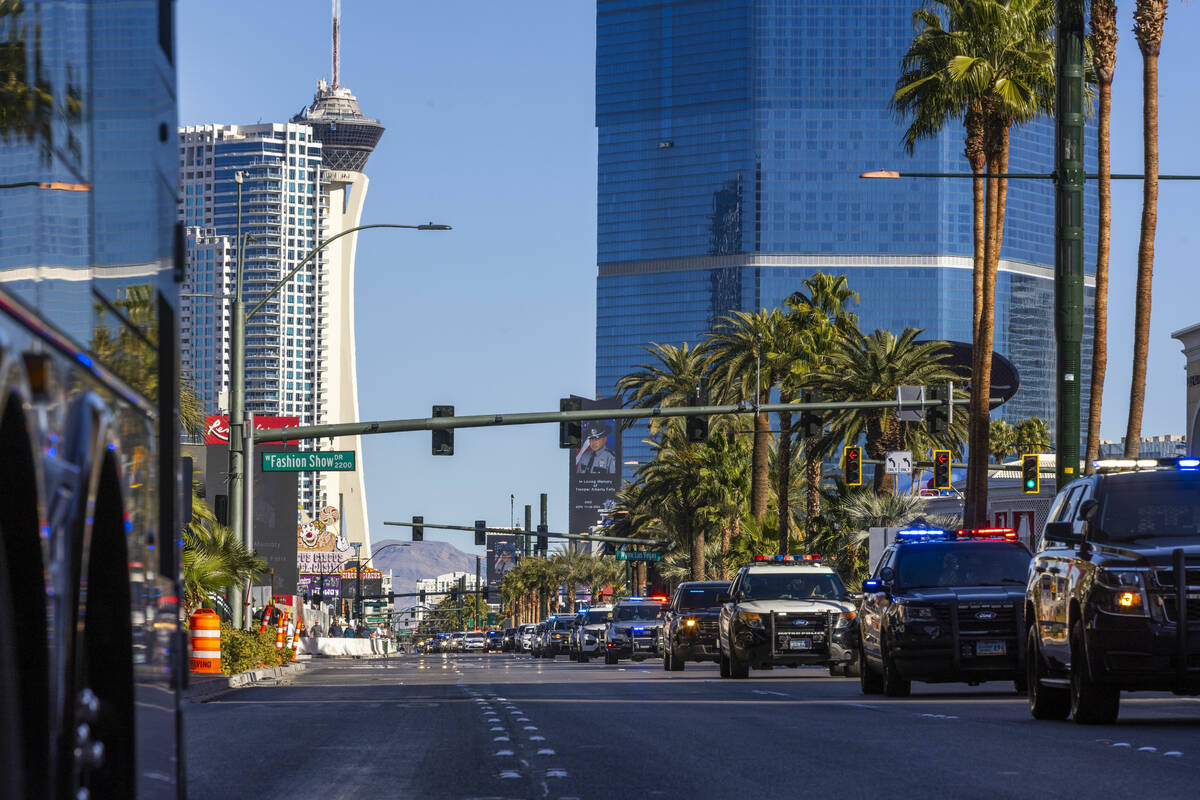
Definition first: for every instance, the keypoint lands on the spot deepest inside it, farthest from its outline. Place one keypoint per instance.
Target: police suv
(632, 632)
(587, 637)
(786, 611)
(1113, 596)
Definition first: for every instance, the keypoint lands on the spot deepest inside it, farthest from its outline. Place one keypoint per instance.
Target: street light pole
(356, 612)
(237, 370)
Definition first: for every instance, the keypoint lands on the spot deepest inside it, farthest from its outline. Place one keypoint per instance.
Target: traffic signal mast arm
(535, 418)
(583, 537)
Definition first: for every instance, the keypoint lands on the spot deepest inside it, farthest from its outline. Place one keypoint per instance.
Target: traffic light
(570, 434)
(391, 598)
(937, 418)
(608, 549)
(443, 440)
(418, 530)
(811, 424)
(422, 597)
(696, 427)
(543, 543)
(853, 458)
(941, 469)
(480, 532)
(1030, 481)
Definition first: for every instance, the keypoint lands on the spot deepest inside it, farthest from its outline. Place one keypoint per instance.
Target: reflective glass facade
(731, 137)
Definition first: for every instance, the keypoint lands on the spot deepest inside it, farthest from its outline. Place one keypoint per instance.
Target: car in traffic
(587, 637)
(525, 638)
(508, 642)
(474, 642)
(632, 631)
(455, 641)
(786, 611)
(944, 606)
(1112, 601)
(495, 641)
(689, 626)
(538, 639)
(556, 636)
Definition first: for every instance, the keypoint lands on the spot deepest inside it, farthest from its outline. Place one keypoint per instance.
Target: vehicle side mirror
(724, 597)
(1087, 509)
(1062, 532)
(887, 575)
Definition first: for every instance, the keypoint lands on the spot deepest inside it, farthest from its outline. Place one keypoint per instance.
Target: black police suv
(689, 629)
(944, 606)
(1113, 597)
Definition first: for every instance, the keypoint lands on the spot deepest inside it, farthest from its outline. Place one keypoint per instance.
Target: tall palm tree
(1104, 62)
(671, 486)
(994, 59)
(822, 321)
(739, 349)
(1149, 16)
(212, 560)
(1001, 440)
(1032, 435)
(724, 486)
(872, 368)
(669, 381)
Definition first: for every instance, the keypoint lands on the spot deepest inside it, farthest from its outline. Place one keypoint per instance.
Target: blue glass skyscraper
(731, 137)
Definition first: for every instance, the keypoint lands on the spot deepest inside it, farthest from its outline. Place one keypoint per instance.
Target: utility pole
(357, 610)
(1068, 238)
(237, 332)
(528, 529)
(475, 611)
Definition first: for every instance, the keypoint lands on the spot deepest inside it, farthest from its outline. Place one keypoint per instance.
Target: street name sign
(638, 555)
(326, 461)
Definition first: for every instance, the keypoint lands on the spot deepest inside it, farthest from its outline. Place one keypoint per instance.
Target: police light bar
(1120, 464)
(639, 597)
(920, 534)
(1007, 534)
(661, 598)
(1189, 463)
(775, 559)
(810, 557)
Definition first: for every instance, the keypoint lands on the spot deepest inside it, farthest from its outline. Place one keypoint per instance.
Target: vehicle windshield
(595, 617)
(564, 624)
(1151, 505)
(474, 636)
(639, 611)
(961, 564)
(696, 597)
(792, 586)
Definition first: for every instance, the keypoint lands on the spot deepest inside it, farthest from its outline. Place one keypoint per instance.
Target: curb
(207, 689)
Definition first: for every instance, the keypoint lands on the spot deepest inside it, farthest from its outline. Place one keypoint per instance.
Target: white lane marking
(762, 691)
(863, 705)
(1122, 744)
(531, 727)
(1147, 749)
(556, 773)
(522, 719)
(500, 753)
(510, 773)
(1173, 754)
(545, 751)
(495, 728)
(937, 716)
(537, 738)
(501, 739)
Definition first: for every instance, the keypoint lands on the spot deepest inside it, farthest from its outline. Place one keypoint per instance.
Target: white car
(587, 638)
(525, 637)
(474, 642)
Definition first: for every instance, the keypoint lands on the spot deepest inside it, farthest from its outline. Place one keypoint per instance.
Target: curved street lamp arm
(326, 243)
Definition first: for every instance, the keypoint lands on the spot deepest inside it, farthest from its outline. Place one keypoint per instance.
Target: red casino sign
(216, 428)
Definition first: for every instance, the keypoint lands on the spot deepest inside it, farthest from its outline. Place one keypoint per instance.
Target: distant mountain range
(422, 560)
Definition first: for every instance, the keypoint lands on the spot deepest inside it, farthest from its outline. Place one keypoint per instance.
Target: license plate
(990, 648)
(800, 644)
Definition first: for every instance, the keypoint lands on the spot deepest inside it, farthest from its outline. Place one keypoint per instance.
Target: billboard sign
(595, 469)
(503, 550)
(322, 549)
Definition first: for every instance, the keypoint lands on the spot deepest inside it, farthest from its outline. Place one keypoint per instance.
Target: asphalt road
(504, 726)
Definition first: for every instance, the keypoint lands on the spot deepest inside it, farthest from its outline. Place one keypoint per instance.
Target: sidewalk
(202, 688)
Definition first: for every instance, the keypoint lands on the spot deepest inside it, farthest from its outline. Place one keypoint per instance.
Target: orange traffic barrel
(280, 632)
(205, 626)
(295, 641)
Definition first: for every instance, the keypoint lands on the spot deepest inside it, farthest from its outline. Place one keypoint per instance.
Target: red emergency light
(1006, 534)
(811, 557)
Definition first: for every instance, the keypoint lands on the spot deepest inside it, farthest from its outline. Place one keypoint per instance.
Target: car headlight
(1124, 592)
(750, 619)
(845, 620)
(1121, 578)
(915, 613)
(690, 623)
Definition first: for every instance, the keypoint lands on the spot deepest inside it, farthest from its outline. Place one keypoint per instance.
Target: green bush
(242, 651)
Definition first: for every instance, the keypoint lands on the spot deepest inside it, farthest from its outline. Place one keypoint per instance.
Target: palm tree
(678, 373)
(724, 486)
(746, 359)
(822, 322)
(872, 368)
(1104, 61)
(212, 560)
(670, 484)
(1032, 435)
(993, 60)
(1001, 440)
(1148, 19)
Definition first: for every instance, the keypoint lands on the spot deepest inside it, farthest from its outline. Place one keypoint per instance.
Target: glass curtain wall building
(731, 137)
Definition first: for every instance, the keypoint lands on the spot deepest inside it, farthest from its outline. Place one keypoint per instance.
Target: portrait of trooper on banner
(595, 456)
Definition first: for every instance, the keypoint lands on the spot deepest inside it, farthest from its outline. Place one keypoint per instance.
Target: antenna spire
(337, 36)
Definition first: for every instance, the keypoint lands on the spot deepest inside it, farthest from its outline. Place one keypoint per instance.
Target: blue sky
(490, 128)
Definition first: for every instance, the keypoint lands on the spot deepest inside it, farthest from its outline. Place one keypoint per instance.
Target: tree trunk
(698, 554)
(760, 470)
(1100, 308)
(570, 597)
(783, 478)
(1145, 272)
(978, 161)
(812, 491)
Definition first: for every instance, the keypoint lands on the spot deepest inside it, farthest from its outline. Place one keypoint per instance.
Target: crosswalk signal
(418, 530)
(570, 434)
(480, 532)
(937, 418)
(1030, 481)
(443, 439)
(811, 425)
(853, 457)
(941, 469)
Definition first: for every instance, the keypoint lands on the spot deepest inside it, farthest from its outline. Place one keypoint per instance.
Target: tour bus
(92, 651)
